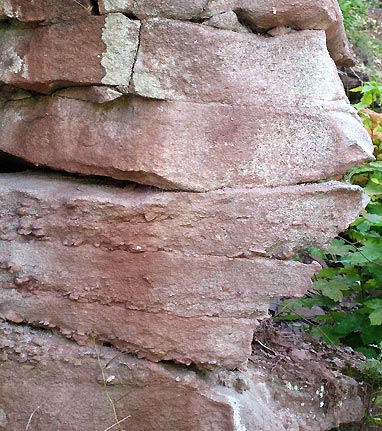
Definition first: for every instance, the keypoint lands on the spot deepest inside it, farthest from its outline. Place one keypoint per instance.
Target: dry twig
(104, 382)
(31, 416)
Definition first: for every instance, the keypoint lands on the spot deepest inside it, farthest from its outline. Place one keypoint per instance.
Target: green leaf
(376, 317)
(333, 289)
(338, 247)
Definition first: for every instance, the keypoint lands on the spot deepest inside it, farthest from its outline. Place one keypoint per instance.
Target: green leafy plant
(364, 31)
(348, 290)
(355, 13)
(349, 287)
(371, 95)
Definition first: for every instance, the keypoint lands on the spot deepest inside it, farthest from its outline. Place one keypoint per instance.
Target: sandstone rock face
(259, 15)
(232, 223)
(221, 130)
(227, 67)
(149, 299)
(153, 274)
(147, 140)
(106, 45)
(154, 396)
(44, 11)
(178, 9)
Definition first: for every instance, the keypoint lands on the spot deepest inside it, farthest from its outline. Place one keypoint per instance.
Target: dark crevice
(9, 163)
(107, 344)
(95, 7)
(245, 19)
(131, 16)
(198, 20)
(13, 164)
(135, 58)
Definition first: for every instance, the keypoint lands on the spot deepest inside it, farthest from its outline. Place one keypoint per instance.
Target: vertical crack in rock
(135, 57)
(121, 37)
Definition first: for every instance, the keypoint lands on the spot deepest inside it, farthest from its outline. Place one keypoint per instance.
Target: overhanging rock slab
(186, 146)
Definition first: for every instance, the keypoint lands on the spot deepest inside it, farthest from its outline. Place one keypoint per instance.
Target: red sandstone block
(186, 146)
(204, 64)
(45, 11)
(230, 222)
(91, 50)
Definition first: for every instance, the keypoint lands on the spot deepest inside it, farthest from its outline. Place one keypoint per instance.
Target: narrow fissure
(95, 7)
(135, 58)
(131, 16)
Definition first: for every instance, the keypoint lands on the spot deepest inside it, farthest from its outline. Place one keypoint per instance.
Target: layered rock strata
(130, 265)
(224, 133)
(64, 384)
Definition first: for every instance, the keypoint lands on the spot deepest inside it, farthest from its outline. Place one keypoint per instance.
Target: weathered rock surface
(91, 50)
(236, 68)
(301, 14)
(64, 382)
(147, 141)
(231, 222)
(81, 257)
(45, 11)
(208, 342)
(260, 15)
(175, 9)
(147, 270)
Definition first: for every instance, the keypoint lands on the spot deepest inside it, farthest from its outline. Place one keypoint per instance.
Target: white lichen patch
(116, 5)
(121, 37)
(293, 387)
(320, 391)
(3, 418)
(145, 83)
(7, 8)
(25, 71)
(238, 424)
(14, 61)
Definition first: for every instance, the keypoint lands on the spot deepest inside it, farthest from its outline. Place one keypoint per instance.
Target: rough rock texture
(45, 58)
(148, 140)
(260, 15)
(299, 14)
(64, 382)
(180, 95)
(215, 65)
(73, 252)
(205, 341)
(231, 222)
(174, 9)
(44, 11)
(149, 272)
